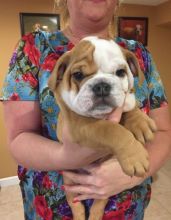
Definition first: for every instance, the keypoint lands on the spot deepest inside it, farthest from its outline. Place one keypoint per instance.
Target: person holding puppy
(30, 114)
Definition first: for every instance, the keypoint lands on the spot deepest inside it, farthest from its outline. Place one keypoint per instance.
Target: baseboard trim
(9, 181)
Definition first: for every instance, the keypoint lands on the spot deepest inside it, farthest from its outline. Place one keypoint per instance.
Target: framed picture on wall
(30, 22)
(133, 28)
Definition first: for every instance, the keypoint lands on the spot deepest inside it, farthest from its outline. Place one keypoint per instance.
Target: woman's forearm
(159, 151)
(34, 151)
(160, 148)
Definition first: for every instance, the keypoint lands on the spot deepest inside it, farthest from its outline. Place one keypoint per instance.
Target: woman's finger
(80, 189)
(91, 168)
(115, 115)
(84, 197)
(84, 179)
(94, 168)
(89, 196)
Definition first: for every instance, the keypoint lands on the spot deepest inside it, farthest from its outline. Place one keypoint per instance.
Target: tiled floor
(159, 208)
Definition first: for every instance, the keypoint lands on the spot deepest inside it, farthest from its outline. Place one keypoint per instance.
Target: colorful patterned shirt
(30, 67)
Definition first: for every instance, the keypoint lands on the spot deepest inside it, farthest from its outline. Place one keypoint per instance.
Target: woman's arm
(31, 150)
(108, 179)
(160, 149)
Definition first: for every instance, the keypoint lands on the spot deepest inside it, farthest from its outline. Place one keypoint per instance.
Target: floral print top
(31, 64)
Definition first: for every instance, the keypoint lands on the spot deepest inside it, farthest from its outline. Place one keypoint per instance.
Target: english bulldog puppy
(89, 82)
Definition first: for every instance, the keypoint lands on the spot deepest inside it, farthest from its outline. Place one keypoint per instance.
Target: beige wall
(159, 44)
(10, 34)
(164, 14)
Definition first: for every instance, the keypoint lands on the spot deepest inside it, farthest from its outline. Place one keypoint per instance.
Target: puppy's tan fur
(115, 139)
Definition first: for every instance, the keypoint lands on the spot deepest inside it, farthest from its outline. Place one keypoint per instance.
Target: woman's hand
(104, 180)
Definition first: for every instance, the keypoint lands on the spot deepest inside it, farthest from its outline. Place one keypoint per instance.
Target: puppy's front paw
(136, 162)
(143, 129)
(142, 126)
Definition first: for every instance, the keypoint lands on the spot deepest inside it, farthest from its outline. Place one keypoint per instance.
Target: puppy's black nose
(101, 89)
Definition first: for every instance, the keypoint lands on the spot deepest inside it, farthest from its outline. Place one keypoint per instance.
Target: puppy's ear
(58, 71)
(134, 65)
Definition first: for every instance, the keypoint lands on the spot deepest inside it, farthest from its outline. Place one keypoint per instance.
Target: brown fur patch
(134, 65)
(79, 59)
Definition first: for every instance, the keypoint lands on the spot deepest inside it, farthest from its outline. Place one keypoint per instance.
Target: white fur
(109, 58)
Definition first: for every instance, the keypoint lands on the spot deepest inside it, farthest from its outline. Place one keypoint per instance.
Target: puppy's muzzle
(101, 89)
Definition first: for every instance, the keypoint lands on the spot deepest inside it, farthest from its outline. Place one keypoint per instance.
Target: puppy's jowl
(89, 82)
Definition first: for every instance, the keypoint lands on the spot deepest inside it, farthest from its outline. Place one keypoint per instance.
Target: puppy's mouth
(102, 104)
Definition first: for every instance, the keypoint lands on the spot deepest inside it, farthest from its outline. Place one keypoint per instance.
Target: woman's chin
(96, 16)
(97, 1)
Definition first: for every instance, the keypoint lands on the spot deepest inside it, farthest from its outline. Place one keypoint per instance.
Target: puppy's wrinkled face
(94, 78)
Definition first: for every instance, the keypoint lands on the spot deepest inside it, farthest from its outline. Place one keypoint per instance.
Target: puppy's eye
(120, 73)
(78, 76)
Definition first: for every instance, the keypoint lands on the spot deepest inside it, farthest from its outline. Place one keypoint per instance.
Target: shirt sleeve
(157, 96)
(21, 81)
